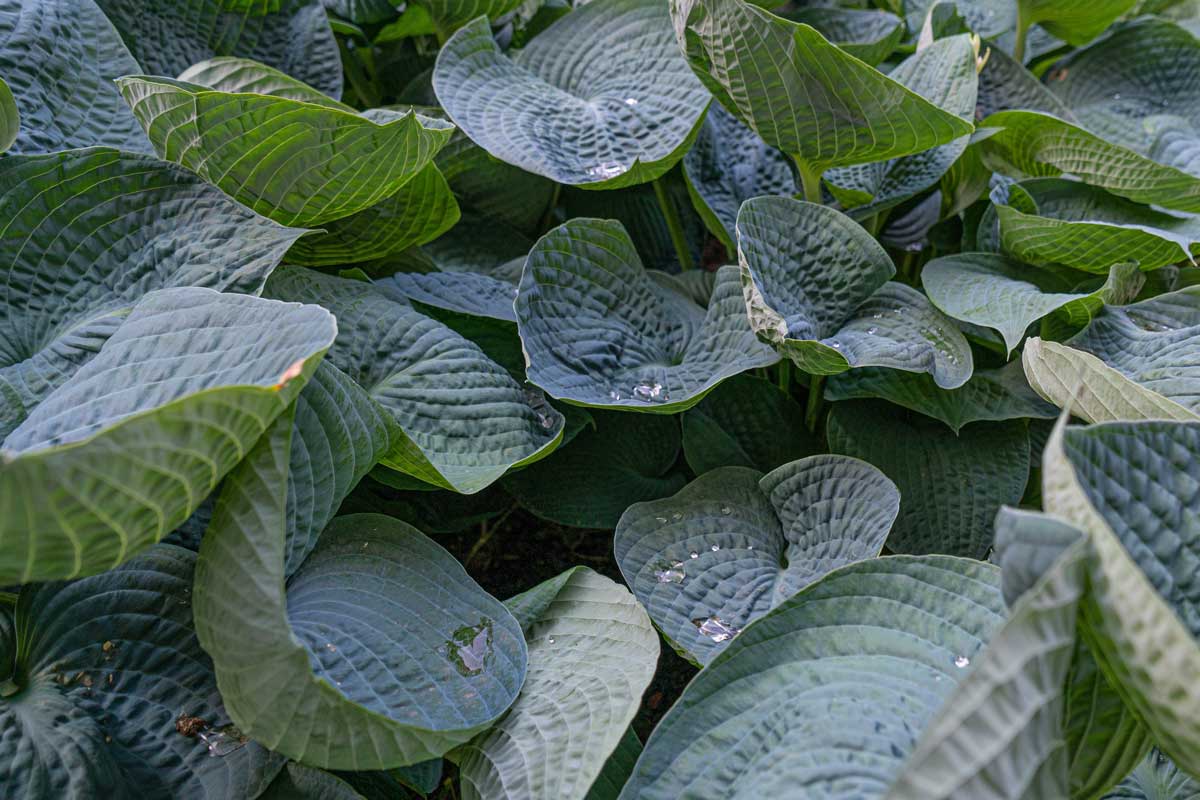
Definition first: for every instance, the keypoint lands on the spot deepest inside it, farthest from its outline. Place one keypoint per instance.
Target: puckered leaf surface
(600, 99)
(735, 543)
(869, 35)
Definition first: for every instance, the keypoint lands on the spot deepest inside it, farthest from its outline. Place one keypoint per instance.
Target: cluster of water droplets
(671, 572)
(605, 170)
(649, 391)
(716, 629)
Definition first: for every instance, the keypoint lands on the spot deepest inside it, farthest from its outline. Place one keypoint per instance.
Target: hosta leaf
(624, 459)
(598, 331)
(802, 94)
(951, 485)
(1131, 487)
(592, 652)
(1039, 145)
(1135, 362)
(1127, 84)
(1086, 228)
(450, 15)
(298, 782)
(728, 165)
(469, 293)
(745, 422)
(1005, 84)
(378, 652)
(735, 543)
(10, 117)
(990, 394)
(868, 35)
(816, 287)
(171, 35)
(943, 73)
(247, 76)
(987, 18)
(600, 99)
(830, 689)
(296, 162)
(1156, 778)
(999, 293)
(60, 57)
(465, 420)
(85, 235)
(116, 457)
(617, 769)
(1074, 21)
(112, 695)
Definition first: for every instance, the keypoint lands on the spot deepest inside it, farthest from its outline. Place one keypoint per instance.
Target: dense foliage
(863, 338)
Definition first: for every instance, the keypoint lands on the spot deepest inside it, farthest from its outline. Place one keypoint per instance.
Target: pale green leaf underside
(834, 684)
(735, 543)
(592, 653)
(1074, 21)
(465, 419)
(296, 162)
(1035, 144)
(816, 287)
(126, 449)
(60, 57)
(106, 665)
(951, 485)
(323, 668)
(598, 331)
(802, 94)
(600, 99)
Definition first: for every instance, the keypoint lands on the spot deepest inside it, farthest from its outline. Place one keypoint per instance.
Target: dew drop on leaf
(716, 629)
(962, 662)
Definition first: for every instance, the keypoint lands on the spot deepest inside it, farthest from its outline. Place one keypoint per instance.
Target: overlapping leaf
(600, 99)
(735, 543)
(1074, 21)
(598, 331)
(816, 287)
(868, 35)
(10, 117)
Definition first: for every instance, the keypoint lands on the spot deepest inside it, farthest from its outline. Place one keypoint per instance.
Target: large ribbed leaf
(1074, 21)
(465, 419)
(60, 58)
(168, 36)
(622, 459)
(600, 99)
(1156, 778)
(450, 15)
(1005, 84)
(378, 652)
(996, 292)
(598, 331)
(1137, 362)
(802, 94)
(128, 447)
(735, 543)
(470, 293)
(868, 35)
(108, 694)
(816, 287)
(1132, 487)
(1069, 223)
(728, 165)
(831, 689)
(84, 234)
(990, 394)
(1039, 145)
(297, 162)
(592, 652)
(951, 485)
(943, 73)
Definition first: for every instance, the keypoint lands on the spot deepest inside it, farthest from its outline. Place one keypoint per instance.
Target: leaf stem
(674, 224)
(810, 179)
(1022, 31)
(548, 217)
(812, 410)
(785, 375)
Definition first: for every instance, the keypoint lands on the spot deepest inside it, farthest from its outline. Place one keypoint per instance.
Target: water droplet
(716, 629)
(914, 247)
(750, 547)
(631, 101)
(470, 648)
(877, 316)
(962, 661)
(871, 331)
(716, 548)
(614, 395)
(550, 639)
(546, 420)
(330, 647)
(726, 510)
(1116, 95)
(605, 170)
(695, 555)
(835, 344)
(223, 741)
(677, 516)
(671, 573)
(660, 520)
(648, 391)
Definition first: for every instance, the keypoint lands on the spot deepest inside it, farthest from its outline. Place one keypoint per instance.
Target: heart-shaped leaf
(1135, 362)
(820, 294)
(290, 35)
(598, 331)
(999, 293)
(803, 94)
(592, 652)
(125, 450)
(735, 543)
(951, 485)
(108, 694)
(60, 58)
(337, 162)
(600, 99)
(834, 684)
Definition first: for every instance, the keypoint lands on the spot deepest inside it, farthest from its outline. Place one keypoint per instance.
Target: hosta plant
(599, 400)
